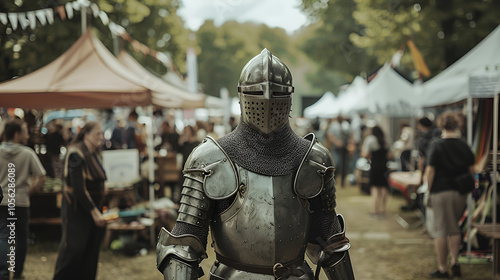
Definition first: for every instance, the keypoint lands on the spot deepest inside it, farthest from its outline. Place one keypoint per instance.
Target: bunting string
(46, 16)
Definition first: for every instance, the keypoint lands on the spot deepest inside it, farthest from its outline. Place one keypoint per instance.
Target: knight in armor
(266, 194)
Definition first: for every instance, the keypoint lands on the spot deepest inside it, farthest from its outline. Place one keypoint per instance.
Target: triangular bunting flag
(418, 60)
(3, 18)
(13, 20)
(76, 5)
(116, 29)
(104, 17)
(32, 18)
(40, 14)
(69, 10)
(136, 46)
(95, 9)
(49, 13)
(83, 3)
(23, 20)
(61, 12)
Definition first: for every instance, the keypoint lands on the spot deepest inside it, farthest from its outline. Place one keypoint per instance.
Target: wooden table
(45, 208)
(121, 227)
(493, 232)
(116, 194)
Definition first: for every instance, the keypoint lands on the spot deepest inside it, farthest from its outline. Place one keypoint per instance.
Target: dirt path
(381, 249)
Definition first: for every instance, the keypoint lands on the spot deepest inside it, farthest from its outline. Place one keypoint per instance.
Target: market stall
(475, 76)
(86, 76)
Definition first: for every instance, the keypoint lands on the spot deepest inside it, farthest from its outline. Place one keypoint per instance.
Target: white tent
(391, 95)
(325, 107)
(452, 84)
(166, 94)
(475, 75)
(351, 99)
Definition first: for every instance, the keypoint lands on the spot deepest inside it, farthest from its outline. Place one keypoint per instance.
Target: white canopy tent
(475, 75)
(452, 84)
(391, 95)
(166, 94)
(351, 100)
(325, 107)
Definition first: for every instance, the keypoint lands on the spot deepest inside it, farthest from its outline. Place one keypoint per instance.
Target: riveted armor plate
(186, 247)
(219, 175)
(316, 166)
(270, 227)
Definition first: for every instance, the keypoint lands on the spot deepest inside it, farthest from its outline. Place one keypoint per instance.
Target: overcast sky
(274, 13)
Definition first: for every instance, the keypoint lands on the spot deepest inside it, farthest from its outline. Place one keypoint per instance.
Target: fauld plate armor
(266, 194)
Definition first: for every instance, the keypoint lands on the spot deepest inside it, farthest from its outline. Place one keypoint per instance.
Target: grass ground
(382, 249)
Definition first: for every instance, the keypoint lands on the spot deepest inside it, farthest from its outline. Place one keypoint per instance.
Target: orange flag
(418, 60)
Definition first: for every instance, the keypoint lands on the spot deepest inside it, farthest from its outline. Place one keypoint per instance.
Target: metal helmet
(265, 91)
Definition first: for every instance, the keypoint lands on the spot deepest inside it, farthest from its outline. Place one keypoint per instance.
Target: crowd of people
(441, 156)
(73, 157)
(347, 140)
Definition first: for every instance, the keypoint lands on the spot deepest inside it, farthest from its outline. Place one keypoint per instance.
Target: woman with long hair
(83, 193)
(376, 149)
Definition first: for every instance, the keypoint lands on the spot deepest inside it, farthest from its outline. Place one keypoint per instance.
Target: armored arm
(179, 252)
(209, 176)
(178, 257)
(332, 253)
(328, 246)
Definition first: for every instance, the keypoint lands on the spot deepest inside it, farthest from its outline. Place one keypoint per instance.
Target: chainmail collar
(277, 154)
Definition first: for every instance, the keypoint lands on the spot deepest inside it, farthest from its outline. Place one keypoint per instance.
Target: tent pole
(495, 151)
(83, 14)
(151, 176)
(116, 43)
(469, 196)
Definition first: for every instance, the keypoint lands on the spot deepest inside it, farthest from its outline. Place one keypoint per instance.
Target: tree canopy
(373, 30)
(153, 23)
(345, 38)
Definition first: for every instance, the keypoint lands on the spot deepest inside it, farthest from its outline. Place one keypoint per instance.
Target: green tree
(373, 30)
(459, 25)
(154, 23)
(224, 50)
(330, 43)
(23, 51)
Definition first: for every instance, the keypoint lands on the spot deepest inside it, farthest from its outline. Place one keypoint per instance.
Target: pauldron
(315, 175)
(211, 166)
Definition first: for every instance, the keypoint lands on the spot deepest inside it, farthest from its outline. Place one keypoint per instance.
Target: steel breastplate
(265, 225)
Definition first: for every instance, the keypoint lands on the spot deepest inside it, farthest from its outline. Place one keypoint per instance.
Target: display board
(122, 167)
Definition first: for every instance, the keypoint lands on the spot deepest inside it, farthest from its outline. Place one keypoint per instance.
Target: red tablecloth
(402, 180)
